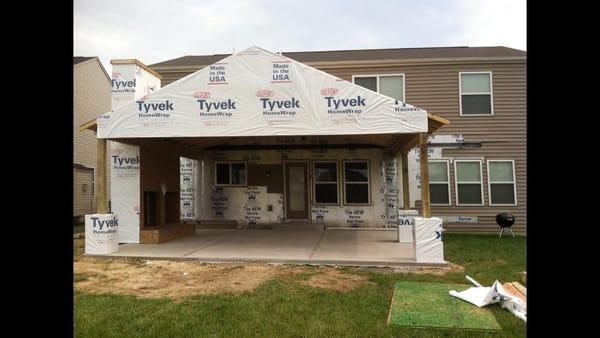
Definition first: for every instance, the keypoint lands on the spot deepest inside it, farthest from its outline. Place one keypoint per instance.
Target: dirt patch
(441, 271)
(333, 279)
(171, 279)
(179, 280)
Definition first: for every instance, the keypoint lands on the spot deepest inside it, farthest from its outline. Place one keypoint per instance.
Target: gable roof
(237, 96)
(364, 55)
(80, 59)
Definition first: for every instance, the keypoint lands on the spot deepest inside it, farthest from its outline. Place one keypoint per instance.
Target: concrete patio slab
(291, 246)
(260, 244)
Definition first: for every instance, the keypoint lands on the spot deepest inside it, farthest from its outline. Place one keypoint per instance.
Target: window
(230, 173)
(391, 85)
(501, 182)
(325, 180)
(356, 182)
(439, 182)
(467, 176)
(476, 94)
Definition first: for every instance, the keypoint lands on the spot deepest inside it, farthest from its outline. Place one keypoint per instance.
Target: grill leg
(501, 232)
(512, 232)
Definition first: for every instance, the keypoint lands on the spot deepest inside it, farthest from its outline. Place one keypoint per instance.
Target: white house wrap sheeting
(125, 189)
(101, 234)
(260, 93)
(187, 186)
(429, 245)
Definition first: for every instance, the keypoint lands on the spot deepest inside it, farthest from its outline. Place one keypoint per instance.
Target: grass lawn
(281, 308)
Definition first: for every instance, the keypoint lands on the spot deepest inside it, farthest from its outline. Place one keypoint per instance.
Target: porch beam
(101, 200)
(424, 161)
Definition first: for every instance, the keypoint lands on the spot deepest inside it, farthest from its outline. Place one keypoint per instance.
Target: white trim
(368, 182)
(230, 173)
(491, 93)
(447, 182)
(473, 182)
(514, 183)
(314, 182)
(376, 76)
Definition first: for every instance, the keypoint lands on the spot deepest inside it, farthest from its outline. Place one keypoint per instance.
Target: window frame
(376, 76)
(314, 182)
(514, 183)
(368, 182)
(456, 183)
(447, 161)
(230, 173)
(460, 93)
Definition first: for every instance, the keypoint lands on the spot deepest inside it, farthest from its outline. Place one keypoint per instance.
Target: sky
(153, 31)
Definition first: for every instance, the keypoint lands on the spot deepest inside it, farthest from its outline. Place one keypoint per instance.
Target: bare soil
(181, 279)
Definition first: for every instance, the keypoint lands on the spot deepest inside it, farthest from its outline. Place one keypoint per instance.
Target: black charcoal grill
(505, 220)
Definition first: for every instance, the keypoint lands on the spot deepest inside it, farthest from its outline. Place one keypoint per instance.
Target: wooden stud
(424, 175)
(101, 200)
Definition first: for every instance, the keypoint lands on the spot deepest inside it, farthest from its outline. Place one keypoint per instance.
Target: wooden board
(516, 289)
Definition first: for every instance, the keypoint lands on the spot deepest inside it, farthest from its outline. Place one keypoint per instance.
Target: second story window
(476, 97)
(391, 85)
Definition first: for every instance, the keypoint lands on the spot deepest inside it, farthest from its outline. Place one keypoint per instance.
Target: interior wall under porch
(159, 170)
(262, 199)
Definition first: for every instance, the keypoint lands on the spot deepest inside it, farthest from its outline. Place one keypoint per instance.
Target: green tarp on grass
(429, 305)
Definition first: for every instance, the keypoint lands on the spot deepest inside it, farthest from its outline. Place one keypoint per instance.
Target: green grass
(428, 305)
(288, 309)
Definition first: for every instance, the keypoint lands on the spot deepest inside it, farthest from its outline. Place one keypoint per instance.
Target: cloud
(154, 31)
(492, 23)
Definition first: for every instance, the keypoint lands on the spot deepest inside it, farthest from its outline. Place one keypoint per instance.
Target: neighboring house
(91, 98)
(481, 90)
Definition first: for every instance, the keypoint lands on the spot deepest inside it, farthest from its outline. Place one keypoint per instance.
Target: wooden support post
(405, 187)
(423, 154)
(101, 200)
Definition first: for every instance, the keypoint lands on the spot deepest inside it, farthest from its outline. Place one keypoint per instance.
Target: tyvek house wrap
(260, 93)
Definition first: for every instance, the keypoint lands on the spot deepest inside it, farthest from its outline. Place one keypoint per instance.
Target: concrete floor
(339, 247)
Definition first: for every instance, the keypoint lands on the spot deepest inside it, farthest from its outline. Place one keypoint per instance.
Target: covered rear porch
(311, 150)
(365, 247)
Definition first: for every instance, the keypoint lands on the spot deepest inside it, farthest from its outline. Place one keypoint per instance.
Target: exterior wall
(159, 164)
(250, 203)
(85, 201)
(434, 86)
(91, 95)
(503, 136)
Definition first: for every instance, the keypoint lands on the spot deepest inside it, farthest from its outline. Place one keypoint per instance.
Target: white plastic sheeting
(125, 189)
(188, 193)
(260, 93)
(429, 245)
(101, 234)
(481, 296)
(406, 225)
(131, 82)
